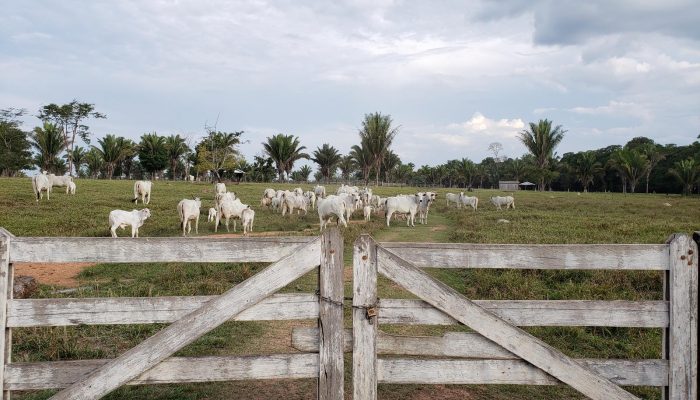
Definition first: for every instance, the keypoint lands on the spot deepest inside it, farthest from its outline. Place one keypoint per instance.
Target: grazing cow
(454, 198)
(229, 209)
(367, 211)
(219, 188)
(320, 191)
(472, 201)
(331, 206)
(212, 215)
(293, 201)
(121, 219)
(247, 217)
(499, 201)
(188, 210)
(40, 182)
(60, 181)
(311, 196)
(71, 187)
(402, 204)
(143, 189)
(267, 197)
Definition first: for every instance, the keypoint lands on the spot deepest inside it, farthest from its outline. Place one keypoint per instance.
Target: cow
(352, 201)
(311, 196)
(298, 192)
(122, 219)
(267, 197)
(143, 189)
(293, 201)
(40, 182)
(424, 203)
(190, 178)
(499, 201)
(229, 209)
(367, 211)
(60, 181)
(219, 188)
(220, 197)
(402, 204)
(472, 201)
(247, 218)
(320, 191)
(275, 203)
(188, 210)
(454, 198)
(71, 187)
(331, 206)
(212, 215)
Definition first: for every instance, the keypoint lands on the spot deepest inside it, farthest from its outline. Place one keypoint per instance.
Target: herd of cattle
(341, 205)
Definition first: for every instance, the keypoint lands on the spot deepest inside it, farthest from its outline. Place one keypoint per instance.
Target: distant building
(508, 186)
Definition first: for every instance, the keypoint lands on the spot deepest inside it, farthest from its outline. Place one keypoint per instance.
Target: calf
(367, 211)
(121, 219)
(188, 210)
(71, 187)
(331, 206)
(320, 191)
(311, 196)
(143, 189)
(247, 217)
(212, 215)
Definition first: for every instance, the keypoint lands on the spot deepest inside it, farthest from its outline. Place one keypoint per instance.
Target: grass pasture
(552, 217)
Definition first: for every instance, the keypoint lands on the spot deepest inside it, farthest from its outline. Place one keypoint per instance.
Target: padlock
(371, 312)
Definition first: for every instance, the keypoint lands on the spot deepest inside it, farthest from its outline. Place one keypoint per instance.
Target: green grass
(539, 218)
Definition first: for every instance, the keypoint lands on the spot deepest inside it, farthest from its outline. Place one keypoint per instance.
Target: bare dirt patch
(59, 274)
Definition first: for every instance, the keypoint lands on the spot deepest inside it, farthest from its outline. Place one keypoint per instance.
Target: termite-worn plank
(683, 327)
(364, 355)
(163, 344)
(618, 313)
(330, 321)
(514, 372)
(512, 338)
(533, 256)
(147, 310)
(59, 374)
(128, 250)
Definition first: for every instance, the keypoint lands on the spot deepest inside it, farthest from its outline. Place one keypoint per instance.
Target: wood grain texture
(142, 250)
(147, 310)
(330, 321)
(514, 339)
(5, 291)
(364, 330)
(155, 349)
(683, 328)
(618, 313)
(59, 374)
(514, 372)
(533, 256)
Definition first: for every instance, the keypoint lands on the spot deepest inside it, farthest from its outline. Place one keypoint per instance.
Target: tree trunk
(648, 173)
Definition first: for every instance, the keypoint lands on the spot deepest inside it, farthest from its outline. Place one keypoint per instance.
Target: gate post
(683, 324)
(330, 321)
(364, 323)
(6, 282)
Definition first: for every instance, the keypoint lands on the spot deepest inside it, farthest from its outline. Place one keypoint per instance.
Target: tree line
(639, 165)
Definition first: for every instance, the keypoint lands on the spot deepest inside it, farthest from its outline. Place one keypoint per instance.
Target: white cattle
(367, 211)
(190, 178)
(454, 198)
(424, 203)
(402, 204)
(344, 189)
(293, 201)
(472, 201)
(366, 195)
(311, 197)
(220, 197)
(499, 201)
(247, 218)
(219, 188)
(40, 182)
(60, 181)
(189, 210)
(229, 209)
(143, 189)
(275, 203)
(71, 187)
(298, 192)
(352, 201)
(331, 206)
(320, 191)
(267, 197)
(212, 215)
(122, 219)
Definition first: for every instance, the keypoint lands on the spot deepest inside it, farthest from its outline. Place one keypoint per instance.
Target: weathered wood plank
(618, 313)
(59, 374)
(514, 372)
(128, 250)
(515, 340)
(331, 369)
(147, 310)
(155, 349)
(533, 256)
(364, 328)
(683, 346)
(5, 293)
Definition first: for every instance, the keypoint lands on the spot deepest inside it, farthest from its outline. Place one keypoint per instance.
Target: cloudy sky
(454, 75)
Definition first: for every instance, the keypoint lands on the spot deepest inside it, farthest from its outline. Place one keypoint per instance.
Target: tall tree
(112, 150)
(346, 166)
(362, 158)
(176, 148)
(586, 168)
(14, 143)
(70, 118)
(218, 152)
(541, 140)
(152, 153)
(466, 171)
(390, 162)
(78, 155)
(94, 163)
(327, 157)
(284, 150)
(302, 174)
(687, 173)
(377, 134)
(631, 164)
(48, 143)
(654, 156)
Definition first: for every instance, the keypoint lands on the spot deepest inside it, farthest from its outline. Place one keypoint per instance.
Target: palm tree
(346, 166)
(48, 141)
(152, 153)
(176, 148)
(654, 155)
(327, 158)
(78, 154)
(586, 168)
(377, 134)
(466, 169)
(541, 140)
(362, 159)
(94, 162)
(687, 174)
(631, 165)
(518, 168)
(112, 151)
(390, 163)
(284, 151)
(302, 174)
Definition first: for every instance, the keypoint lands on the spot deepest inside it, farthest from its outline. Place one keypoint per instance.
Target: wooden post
(364, 326)
(683, 321)
(6, 281)
(330, 321)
